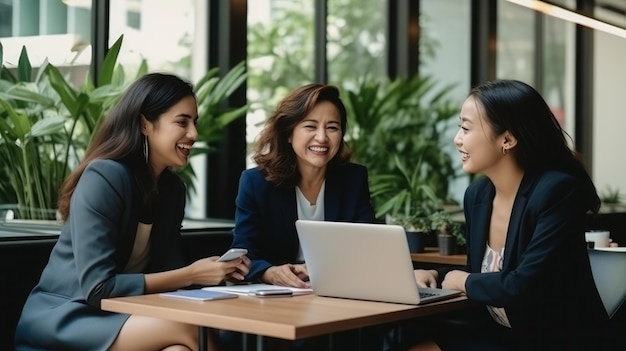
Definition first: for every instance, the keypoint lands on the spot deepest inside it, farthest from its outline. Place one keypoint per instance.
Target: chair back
(609, 273)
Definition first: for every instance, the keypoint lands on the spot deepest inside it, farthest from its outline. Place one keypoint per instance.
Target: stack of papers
(246, 289)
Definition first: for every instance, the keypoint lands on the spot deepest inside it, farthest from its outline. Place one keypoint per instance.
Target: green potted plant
(450, 234)
(407, 118)
(46, 125)
(406, 198)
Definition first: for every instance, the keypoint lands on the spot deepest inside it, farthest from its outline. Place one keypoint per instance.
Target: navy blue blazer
(88, 261)
(266, 214)
(545, 285)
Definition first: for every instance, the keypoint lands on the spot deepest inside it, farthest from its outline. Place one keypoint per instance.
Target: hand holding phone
(232, 254)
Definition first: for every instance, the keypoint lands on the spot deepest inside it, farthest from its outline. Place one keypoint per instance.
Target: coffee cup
(600, 238)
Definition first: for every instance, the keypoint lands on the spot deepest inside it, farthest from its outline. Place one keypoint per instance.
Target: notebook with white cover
(246, 289)
(362, 261)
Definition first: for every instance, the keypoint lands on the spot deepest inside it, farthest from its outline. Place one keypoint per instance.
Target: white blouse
(492, 262)
(306, 210)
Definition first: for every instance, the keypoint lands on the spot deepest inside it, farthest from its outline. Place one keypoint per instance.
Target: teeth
(184, 146)
(318, 149)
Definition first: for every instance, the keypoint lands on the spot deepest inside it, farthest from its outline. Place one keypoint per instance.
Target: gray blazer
(86, 265)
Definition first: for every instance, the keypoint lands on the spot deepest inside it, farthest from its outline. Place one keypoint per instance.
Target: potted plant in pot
(450, 234)
(417, 227)
(406, 198)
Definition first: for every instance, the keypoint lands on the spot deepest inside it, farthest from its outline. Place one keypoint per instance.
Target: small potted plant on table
(450, 234)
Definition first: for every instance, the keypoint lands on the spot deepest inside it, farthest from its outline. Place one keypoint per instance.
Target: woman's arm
(206, 271)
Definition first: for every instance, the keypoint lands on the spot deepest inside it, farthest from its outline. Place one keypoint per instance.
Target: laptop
(362, 261)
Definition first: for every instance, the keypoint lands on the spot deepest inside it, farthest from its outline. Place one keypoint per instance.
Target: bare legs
(425, 346)
(152, 334)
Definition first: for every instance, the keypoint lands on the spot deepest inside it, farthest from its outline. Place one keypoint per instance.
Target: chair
(609, 273)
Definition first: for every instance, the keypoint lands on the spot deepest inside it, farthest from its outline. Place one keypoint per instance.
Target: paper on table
(245, 289)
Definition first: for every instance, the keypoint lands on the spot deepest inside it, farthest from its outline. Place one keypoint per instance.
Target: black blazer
(266, 214)
(545, 285)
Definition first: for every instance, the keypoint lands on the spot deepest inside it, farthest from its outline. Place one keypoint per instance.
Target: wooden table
(289, 318)
(431, 255)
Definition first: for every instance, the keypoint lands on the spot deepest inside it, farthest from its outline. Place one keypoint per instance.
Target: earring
(503, 150)
(145, 148)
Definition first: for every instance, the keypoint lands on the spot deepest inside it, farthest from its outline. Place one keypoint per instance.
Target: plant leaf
(24, 68)
(108, 64)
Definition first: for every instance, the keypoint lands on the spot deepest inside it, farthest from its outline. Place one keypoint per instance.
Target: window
(56, 31)
(280, 56)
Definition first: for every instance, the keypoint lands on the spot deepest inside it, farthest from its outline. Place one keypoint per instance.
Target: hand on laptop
(455, 280)
(294, 275)
(426, 278)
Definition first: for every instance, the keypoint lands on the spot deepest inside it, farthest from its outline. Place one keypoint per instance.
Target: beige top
(141, 250)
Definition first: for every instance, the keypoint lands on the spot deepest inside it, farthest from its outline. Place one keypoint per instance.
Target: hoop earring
(503, 150)
(145, 148)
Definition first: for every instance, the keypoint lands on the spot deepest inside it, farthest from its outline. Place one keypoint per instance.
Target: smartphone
(271, 292)
(232, 254)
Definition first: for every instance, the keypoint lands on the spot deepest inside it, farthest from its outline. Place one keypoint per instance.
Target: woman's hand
(208, 271)
(241, 270)
(455, 280)
(294, 275)
(426, 278)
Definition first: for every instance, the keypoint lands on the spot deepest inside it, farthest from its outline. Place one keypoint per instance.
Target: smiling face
(170, 138)
(481, 151)
(317, 138)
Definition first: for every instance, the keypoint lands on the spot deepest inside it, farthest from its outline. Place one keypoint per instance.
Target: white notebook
(246, 289)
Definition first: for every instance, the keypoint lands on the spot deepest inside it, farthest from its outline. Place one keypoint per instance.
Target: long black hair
(516, 107)
(119, 136)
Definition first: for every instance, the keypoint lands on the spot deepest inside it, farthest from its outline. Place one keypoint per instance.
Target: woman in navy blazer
(527, 257)
(123, 209)
(303, 171)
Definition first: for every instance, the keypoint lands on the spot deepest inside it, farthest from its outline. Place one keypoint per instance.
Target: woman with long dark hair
(527, 261)
(123, 208)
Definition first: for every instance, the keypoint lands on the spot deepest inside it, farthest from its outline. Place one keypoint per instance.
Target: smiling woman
(123, 208)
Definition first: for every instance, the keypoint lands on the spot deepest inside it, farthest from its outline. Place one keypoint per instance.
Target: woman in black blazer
(528, 267)
(303, 172)
(123, 209)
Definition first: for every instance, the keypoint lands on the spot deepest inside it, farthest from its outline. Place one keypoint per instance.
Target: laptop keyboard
(426, 294)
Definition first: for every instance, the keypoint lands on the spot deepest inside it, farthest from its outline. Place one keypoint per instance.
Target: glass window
(445, 56)
(515, 55)
(159, 31)
(53, 30)
(445, 43)
(280, 55)
(356, 41)
(558, 70)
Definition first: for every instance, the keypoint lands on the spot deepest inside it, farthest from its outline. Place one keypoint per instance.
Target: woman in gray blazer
(123, 209)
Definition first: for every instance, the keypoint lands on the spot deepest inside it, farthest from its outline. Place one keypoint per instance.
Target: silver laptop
(362, 261)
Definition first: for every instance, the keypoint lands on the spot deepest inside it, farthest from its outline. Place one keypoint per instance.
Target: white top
(492, 262)
(141, 250)
(308, 211)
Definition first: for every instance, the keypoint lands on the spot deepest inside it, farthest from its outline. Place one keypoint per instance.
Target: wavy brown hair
(119, 136)
(274, 154)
